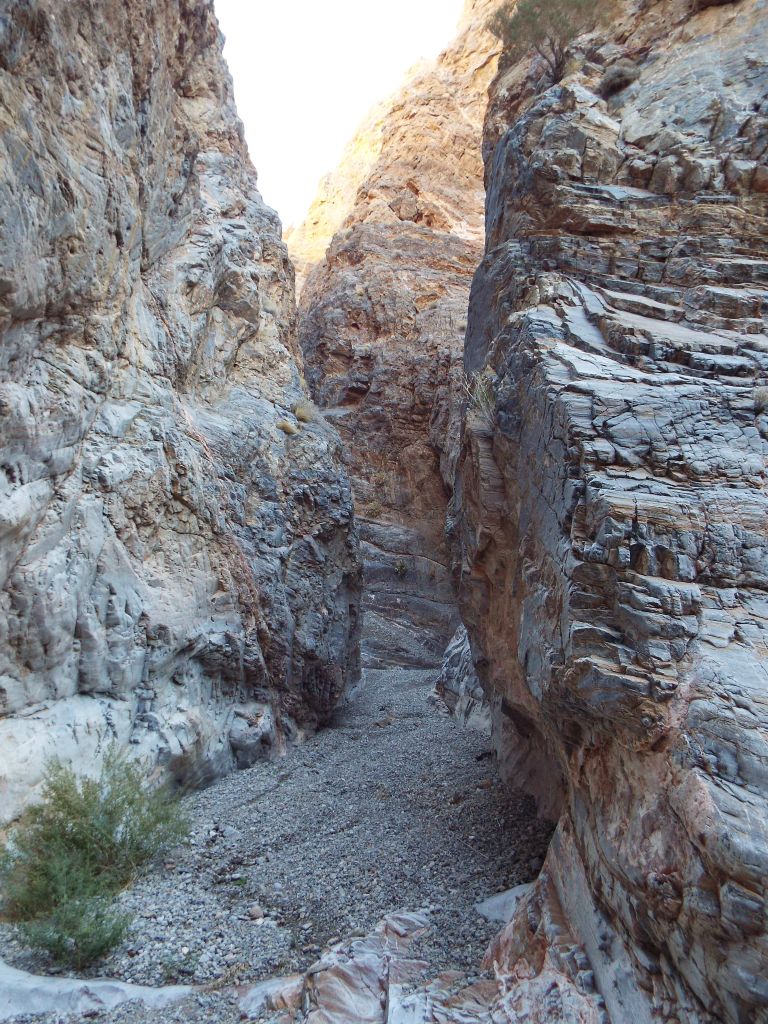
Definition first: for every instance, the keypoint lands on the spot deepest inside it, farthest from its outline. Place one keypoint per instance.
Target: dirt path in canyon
(395, 806)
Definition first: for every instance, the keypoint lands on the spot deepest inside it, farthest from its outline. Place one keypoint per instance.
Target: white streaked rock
(23, 993)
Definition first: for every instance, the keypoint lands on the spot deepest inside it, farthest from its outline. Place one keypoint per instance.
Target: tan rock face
(381, 323)
(612, 518)
(178, 572)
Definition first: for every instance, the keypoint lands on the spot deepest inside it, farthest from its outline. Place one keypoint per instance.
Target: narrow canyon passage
(394, 806)
(497, 409)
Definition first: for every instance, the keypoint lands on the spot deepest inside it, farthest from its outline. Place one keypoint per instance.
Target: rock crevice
(388, 250)
(179, 569)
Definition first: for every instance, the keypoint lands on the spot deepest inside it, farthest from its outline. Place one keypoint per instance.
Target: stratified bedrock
(389, 248)
(612, 515)
(179, 567)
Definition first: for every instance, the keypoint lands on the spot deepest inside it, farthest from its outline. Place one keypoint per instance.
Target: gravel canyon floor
(394, 806)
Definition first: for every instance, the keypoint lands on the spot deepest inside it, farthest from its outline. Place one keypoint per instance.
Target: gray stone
(23, 993)
(169, 554)
(611, 524)
(458, 686)
(502, 906)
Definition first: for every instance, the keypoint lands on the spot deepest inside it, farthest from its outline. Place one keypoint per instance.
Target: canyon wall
(611, 512)
(179, 565)
(381, 323)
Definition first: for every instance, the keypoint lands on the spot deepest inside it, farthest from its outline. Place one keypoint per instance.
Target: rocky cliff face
(178, 560)
(612, 513)
(382, 318)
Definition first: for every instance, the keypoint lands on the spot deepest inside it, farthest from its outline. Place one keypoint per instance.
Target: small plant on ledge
(479, 392)
(401, 568)
(372, 509)
(287, 427)
(305, 412)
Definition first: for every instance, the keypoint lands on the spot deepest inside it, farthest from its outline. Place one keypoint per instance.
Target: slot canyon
(422, 547)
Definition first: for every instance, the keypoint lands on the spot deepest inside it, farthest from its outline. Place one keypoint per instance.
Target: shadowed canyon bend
(511, 442)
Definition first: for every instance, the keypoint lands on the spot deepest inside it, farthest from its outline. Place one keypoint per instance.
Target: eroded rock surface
(377, 979)
(459, 688)
(612, 518)
(178, 572)
(293, 861)
(382, 318)
(22, 993)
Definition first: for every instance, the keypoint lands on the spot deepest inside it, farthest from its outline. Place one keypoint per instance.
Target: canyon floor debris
(393, 807)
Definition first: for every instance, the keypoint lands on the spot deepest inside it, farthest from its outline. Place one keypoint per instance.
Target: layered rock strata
(377, 979)
(381, 322)
(179, 567)
(611, 510)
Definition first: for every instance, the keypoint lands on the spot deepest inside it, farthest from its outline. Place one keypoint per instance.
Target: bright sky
(307, 71)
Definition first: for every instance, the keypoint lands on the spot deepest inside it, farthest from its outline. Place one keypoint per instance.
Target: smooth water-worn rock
(178, 565)
(377, 980)
(381, 322)
(24, 993)
(502, 906)
(459, 688)
(611, 514)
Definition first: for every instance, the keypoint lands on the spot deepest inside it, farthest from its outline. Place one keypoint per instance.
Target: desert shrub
(71, 853)
(401, 568)
(78, 931)
(478, 390)
(760, 397)
(287, 427)
(304, 412)
(548, 27)
(371, 509)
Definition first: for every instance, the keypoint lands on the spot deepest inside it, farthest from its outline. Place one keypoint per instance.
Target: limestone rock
(502, 906)
(22, 993)
(381, 323)
(459, 688)
(611, 521)
(355, 980)
(336, 194)
(539, 975)
(173, 565)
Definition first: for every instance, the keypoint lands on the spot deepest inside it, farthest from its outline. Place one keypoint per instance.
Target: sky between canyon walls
(307, 71)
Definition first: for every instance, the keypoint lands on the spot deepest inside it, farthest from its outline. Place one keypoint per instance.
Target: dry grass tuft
(305, 412)
(479, 392)
(372, 509)
(287, 427)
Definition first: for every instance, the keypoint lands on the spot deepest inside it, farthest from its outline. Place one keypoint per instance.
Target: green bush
(77, 932)
(548, 27)
(74, 850)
